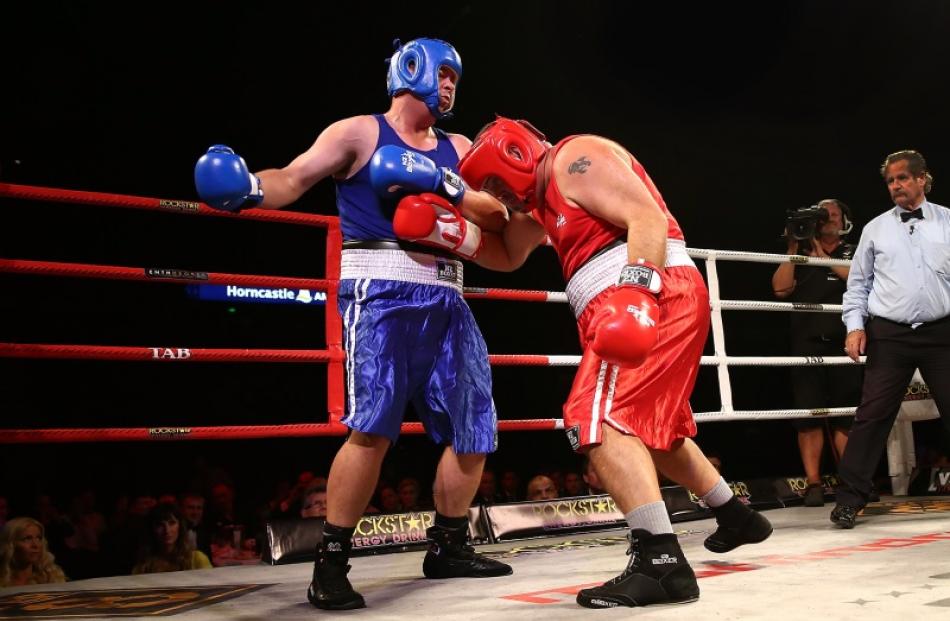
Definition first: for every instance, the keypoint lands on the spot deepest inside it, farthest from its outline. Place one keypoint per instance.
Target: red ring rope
(84, 270)
(101, 199)
(225, 432)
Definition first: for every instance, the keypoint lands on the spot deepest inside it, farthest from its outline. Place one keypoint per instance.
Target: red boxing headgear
(510, 151)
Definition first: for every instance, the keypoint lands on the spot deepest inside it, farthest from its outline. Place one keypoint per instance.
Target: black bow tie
(907, 215)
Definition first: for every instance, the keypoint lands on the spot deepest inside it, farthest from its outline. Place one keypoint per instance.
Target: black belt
(908, 325)
(391, 244)
(603, 250)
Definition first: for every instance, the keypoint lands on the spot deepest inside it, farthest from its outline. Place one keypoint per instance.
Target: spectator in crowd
(195, 527)
(819, 334)
(314, 502)
(56, 527)
(389, 500)
(510, 487)
(409, 490)
(24, 555)
(542, 487)
(574, 484)
(234, 533)
(120, 544)
(88, 523)
(487, 493)
(165, 548)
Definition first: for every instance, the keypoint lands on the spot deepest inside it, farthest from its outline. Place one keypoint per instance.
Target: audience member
(409, 490)
(542, 487)
(164, 547)
(24, 555)
(389, 500)
(487, 493)
(314, 503)
(574, 484)
(510, 487)
(196, 529)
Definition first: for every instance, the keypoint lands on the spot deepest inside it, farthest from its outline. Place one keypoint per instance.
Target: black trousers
(894, 350)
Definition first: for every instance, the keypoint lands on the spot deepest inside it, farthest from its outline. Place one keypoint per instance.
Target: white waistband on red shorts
(415, 267)
(603, 271)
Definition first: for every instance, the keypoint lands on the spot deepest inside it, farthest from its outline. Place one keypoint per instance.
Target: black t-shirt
(819, 285)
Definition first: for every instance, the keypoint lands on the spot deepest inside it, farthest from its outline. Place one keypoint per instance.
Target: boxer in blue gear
(408, 333)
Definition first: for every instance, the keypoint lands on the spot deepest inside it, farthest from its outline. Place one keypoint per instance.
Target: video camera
(802, 223)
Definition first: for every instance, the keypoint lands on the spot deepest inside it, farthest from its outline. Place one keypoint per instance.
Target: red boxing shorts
(651, 401)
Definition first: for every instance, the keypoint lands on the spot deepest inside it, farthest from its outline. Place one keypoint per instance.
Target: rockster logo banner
(552, 517)
(294, 540)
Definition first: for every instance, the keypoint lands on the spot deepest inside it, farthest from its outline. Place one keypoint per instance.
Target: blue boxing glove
(224, 182)
(394, 168)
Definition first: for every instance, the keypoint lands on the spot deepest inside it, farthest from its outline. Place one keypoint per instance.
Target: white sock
(651, 517)
(719, 495)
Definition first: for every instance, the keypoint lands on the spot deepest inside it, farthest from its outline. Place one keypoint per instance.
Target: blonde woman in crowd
(24, 555)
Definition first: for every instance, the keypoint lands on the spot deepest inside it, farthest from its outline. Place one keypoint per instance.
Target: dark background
(739, 111)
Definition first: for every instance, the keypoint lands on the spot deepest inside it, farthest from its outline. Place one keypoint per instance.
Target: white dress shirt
(901, 270)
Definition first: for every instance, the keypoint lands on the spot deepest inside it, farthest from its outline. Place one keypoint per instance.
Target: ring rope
(518, 295)
(734, 415)
(756, 305)
(147, 274)
(334, 355)
(114, 352)
(179, 354)
(85, 270)
(764, 257)
(102, 199)
(225, 432)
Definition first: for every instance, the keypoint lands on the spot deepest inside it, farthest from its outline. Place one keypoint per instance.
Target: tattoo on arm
(580, 165)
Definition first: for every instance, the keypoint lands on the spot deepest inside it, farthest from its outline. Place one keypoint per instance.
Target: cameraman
(818, 233)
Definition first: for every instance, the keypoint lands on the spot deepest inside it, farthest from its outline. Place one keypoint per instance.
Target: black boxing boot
(738, 525)
(657, 573)
(330, 589)
(451, 556)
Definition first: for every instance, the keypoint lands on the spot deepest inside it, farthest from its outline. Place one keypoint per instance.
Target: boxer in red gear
(642, 327)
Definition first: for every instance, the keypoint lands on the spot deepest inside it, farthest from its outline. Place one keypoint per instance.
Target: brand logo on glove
(452, 183)
(636, 275)
(407, 160)
(640, 315)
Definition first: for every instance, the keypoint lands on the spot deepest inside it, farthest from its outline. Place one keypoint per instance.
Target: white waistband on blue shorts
(415, 267)
(603, 271)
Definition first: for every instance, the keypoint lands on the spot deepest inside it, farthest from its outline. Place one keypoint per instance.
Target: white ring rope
(720, 359)
(762, 257)
(711, 417)
(706, 361)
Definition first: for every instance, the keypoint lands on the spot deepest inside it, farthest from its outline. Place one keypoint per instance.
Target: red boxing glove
(431, 220)
(625, 327)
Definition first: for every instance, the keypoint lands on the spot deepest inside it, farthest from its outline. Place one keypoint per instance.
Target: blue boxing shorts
(409, 335)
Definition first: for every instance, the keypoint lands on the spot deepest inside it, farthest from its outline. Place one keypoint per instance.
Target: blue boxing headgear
(414, 67)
